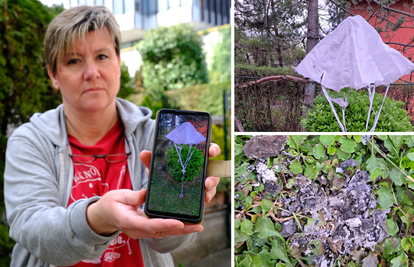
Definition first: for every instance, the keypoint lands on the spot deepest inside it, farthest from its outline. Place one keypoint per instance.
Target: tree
(172, 59)
(220, 69)
(24, 84)
(279, 22)
(126, 87)
(25, 87)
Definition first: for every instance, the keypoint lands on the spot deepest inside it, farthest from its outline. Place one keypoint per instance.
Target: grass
(165, 192)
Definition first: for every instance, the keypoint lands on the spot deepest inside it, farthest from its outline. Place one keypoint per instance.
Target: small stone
(265, 146)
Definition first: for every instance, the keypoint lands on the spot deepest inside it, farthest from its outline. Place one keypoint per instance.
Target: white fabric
(185, 134)
(354, 55)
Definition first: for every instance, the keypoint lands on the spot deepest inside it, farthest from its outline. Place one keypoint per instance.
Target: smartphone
(176, 182)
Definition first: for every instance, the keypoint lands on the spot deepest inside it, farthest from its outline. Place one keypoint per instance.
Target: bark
(313, 33)
(311, 41)
(164, 164)
(238, 125)
(279, 55)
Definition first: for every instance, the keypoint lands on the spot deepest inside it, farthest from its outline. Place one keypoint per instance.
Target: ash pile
(345, 222)
(260, 148)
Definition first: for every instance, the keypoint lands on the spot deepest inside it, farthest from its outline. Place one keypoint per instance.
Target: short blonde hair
(75, 23)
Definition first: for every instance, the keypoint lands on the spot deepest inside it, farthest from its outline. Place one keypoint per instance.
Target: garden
(324, 200)
(166, 186)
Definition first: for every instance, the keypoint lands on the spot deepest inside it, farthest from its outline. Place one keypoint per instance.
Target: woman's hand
(119, 210)
(210, 183)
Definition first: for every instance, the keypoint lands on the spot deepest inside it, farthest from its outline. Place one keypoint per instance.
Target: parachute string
(379, 112)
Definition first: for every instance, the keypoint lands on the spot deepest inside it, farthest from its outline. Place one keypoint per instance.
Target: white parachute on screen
(185, 134)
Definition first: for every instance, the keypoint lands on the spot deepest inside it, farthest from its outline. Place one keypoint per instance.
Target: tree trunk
(279, 55)
(313, 33)
(164, 164)
(311, 41)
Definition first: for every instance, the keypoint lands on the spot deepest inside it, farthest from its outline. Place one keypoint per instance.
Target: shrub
(193, 167)
(320, 117)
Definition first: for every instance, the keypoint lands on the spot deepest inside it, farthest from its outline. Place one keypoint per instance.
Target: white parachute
(185, 134)
(354, 56)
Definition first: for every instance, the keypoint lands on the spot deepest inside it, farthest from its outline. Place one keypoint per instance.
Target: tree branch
(392, 9)
(401, 44)
(273, 78)
(341, 7)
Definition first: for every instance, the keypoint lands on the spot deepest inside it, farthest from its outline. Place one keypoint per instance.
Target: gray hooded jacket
(38, 182)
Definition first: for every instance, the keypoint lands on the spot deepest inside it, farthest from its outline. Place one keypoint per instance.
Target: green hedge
(393, 118)
(193, 167)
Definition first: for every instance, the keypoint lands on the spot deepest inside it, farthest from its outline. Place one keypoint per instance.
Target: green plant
(126, 87)
(172, 58)
(320, 117)
(194, 165)
(389, 160)
(220, 69)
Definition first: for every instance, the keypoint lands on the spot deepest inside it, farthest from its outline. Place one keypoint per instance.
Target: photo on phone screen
(176, 185)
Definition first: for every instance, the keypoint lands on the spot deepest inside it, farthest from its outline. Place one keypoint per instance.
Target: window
(174, 3)
(129, 6)
(149, 8)
(138, 6)
(162, 5)
(118, 7)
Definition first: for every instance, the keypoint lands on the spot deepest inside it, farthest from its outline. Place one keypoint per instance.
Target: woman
(63, 212)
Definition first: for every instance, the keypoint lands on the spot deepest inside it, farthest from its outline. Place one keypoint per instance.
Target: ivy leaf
(265, 228)
(342, 154)
(246, 227)
(249, 262)
(327, 140)
(331, 150)
(397, 141)
(385, 197)
(311, 171)
(391, 246)
(400, 261)
(266, 259)
(319, 151)
(296, 167)
(237, 224)
(407, 197)
(348, 145)
(397, 177)
(411, 156)
(357, 138)
(392, 227)
(279, 251)
(239, 236)
(266, 205)
(409, 218)
(372, 163)
(375, 173)
(405, 244)
(390, 146)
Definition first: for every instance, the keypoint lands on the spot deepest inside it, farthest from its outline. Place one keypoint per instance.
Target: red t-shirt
(97, 178)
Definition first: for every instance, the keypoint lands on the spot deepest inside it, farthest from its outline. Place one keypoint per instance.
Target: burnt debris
(345, 222)
(263, 147)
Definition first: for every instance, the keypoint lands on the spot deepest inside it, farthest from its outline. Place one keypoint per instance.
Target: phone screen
(178, 165)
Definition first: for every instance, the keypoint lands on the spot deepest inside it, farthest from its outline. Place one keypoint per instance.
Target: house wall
(404, 35)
